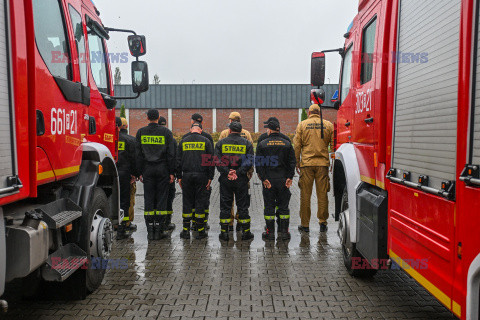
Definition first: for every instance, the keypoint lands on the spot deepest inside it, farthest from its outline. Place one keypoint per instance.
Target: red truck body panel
(57, 154)
(421, 225)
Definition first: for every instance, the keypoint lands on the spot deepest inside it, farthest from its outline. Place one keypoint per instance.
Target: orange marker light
(100, 169)
(68, 227)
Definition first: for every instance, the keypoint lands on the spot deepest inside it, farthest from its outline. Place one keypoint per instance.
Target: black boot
(200, 223)
(185, 234)
(168, 222)
(150, 227)
(224, 232)
(121, 232)
(207, 226)
(246, 233)
(132, 227)
(269, 233)
(160, 227)
(284, 229)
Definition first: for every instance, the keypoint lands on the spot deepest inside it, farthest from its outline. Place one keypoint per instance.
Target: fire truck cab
(406, 167)
(59, 190)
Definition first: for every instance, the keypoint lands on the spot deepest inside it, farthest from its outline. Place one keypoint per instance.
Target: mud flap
(372, 221)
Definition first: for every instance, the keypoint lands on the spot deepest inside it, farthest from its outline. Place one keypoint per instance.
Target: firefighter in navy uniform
(171, 191)
(264, 136)
(234, 156)
(196, 117)
(126, 172)
(275, 163)
(195, 178)
(155, 152)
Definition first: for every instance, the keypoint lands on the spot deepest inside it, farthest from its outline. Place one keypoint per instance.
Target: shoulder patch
(121, 145)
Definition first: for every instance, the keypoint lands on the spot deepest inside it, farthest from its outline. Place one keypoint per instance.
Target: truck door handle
(369, 120)
(347, 124)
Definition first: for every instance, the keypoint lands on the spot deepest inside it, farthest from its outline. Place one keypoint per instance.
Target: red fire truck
(406, 168)
(59, 191)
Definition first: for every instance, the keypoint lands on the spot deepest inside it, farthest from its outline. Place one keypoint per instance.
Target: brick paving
(191, 279)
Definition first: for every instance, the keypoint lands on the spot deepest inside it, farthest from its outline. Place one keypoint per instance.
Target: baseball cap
(235, 126)
(272, 123)
(118, 121)
(197, 117)
(314, 107)
(162, 121)
(153, 114)
(235, 116)
(124, 121)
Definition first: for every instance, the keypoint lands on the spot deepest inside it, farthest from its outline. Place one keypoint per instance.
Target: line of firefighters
(155, 158)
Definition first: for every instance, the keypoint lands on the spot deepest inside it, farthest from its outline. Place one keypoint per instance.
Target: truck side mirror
(317, 96)
(317, 74)
(139, 76)
(137, 45)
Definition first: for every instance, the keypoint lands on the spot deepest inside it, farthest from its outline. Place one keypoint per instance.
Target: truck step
(64, 262)
(59, 213)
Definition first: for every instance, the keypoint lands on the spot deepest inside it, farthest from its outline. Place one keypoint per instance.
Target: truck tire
(98, 209)
(350, 251)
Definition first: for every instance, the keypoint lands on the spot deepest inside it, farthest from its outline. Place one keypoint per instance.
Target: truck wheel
(96, 239)
(349, 249)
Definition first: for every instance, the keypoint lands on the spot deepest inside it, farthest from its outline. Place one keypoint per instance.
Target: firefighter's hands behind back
(172, 178)
(232, 175)
(288, 184)
(267, 184)
(179, 181)
(209, 184)
(298, 169)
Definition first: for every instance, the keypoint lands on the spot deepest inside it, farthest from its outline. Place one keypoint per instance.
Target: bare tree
(118, 76)
(156, 79)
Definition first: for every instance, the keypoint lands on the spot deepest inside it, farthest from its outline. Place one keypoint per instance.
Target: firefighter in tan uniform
(311, 152)
(235, 116)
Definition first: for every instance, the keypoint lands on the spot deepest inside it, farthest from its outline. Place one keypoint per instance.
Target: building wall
(248, 118)
(181, 119)
(289, 118)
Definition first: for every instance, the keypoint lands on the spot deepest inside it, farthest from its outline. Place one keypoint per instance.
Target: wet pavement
(205, 279)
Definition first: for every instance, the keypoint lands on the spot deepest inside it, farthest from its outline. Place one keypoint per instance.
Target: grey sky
(231, 41)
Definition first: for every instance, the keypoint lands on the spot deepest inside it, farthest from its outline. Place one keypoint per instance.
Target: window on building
(80, 42)
(98, 61)
(346, 74)
(51, 38)
(368, 47)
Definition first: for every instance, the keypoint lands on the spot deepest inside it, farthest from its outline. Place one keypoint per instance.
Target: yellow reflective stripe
(207, 211)
(436, 292)
(285, 217)
(187, 215)
(223, 230)
(201, 229)
(225, 220)
(163, 213)
(186, 229)
(149, 213)
(126, 218)
(169, 212)
(246, 230)
(276, 208)
(244, 221)
(199, 216)
(269, 217)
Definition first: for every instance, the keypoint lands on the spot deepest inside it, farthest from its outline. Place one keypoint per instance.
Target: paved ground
(300, 279)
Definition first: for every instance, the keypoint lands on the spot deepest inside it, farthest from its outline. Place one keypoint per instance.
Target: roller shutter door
(425, 123)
